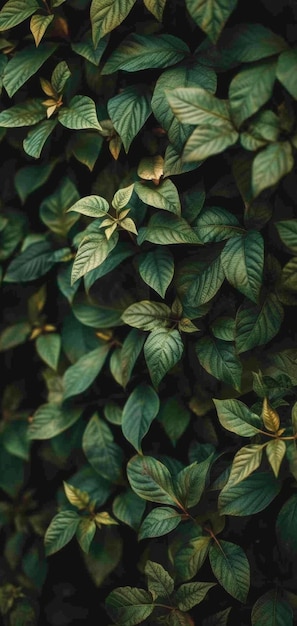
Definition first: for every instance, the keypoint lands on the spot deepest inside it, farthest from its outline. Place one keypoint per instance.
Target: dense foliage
(148, 242)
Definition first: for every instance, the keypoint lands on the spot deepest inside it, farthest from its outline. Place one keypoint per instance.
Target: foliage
(148, 273)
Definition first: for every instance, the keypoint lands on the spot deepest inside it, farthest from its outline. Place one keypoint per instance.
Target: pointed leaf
(286, 71)
(79, 499)
(231, 567)
(128, 355)
(60, 531)
(256, 325)
(160, 583)
(92, 251)
(164, 196)
(129, 605)
(217, 224)
(50, 420)
(34, 262)
(190, 482)
(250, 496)
(139, 411)
(286, 526)
(243, 263)
(122, 197)
(147, 315)
(103, 454)
(85, 533)
(287, 230)
(162, 350)
(27, 113)
(129, 111)
(37, 137)
(250, 89)
(237, 417)
(92, 206)
(272, 610)
(81, 375)
(129, 508)
(60, 76)
(205, 283)
(16, 11)
(206, 141)
(106, 15)
(39, 25)
(219, 359)
(48, 347)
(53, 209)
(159, 522)
(87, 50)
(156, 268)
(191, 557)
(270, 417)
(211, 15)
(270, 165)
(167, 229)
(191, 594)
(24, 64)
(276, 450)
(80, 114)
(195, 105)
(246, 461)
(151, 480)
(140, 52)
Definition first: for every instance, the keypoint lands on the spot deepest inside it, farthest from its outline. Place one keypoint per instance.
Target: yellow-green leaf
(275, 450)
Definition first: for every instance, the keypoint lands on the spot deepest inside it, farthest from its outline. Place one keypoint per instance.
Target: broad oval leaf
(53, 209)
(129, 605)
(206, 282)
(162, 350)
(191, 594)
(191, 557)
(106, 15)
(140, 52)
(231, 567)
(35, 261)
(164, 196)
(103, 454)
(286, 71)
(80, 114)
(270, 165)
(60, 531)
(160, 583)
(190, 482)
(91, 253)
(235, 416)
(51, 419)
(216, 224)
(26, 113)
(243, 263)
(196, 105)
(129, 508)
(206, 141)
(147, 315)
(276, 450)
(37, 137)
(151, 480)
(250, 496)
(48, 347)
(129, 111)
(246, 461)
(139, 411)
(16, 11)
(167, 229)
(219, 359)
(211, 15)
(159, 522)
(286, 526)
(81, 375)
(271, 609)
(24, 64)
(256, 325)
(156, 268)
(287, 230)
(250, 89)
(92, 206)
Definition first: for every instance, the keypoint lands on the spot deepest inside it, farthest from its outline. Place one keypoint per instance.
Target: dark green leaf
(250, 89)
(237, 417)
(216, 224)
(156, 268)
(167, 229)
(30, 178)
(151, 480)
(16, 11)
(51, 419)
(270, 165)
(48, 347)
(160, 583)
(139, 411)
(81, 375)
(24, 64)
(190, 482)
(243, 262)
(191, 594)
(147, 315)
(129, 111)
(60, 531)
(164, 196)
(211, 15)
(256, 325)
(53, 210)
(103, 454)
(287, 230)
(81, 114)
(26, 113)
(286, 525)
(159, 522)
(231, 567)
(206, 141)
(272, 610)
(35, 261)
(37, 137)
(92, 251)
(162, 350)
(129, 605)
(219, 359)
(129, 508)
(250, 496)
(106, 16)
(286, 71)
(139, 52)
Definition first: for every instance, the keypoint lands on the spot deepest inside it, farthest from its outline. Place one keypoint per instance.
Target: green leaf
(16, 11)
(147, 315)
(156, 7)
(217, 619)
(159, 522)
(129, 111)
(105, 16)
(39, 25)
(92, 251)
(177, 618)
(205, 283)
(85, 146)
(139, 411)
(48, 347)
(80, 114)
(195, 105)
(250, 496)
(211, 15)
(60, 531)
(51, 419)
(85, 533)
(164, 196)
(37, 137)
(190, 558)
(250, 89)
(87, 50)
(140, 52)
(174, 417)
(129, 605)
(174, 164)
(81, 375)
(103, 454)
(219, 359)
(286, 71)
(151, 480)
(217, 224)
(92, 206)
(160, 583)
(128, 355)
(287, 230)
(167, 229)
(162, 350)
(271, 609)
(276, 450)
(208, 140)
(60, 76)
(156, 268)
(27, 113)
(30, 178)
(53, 210)
(129, 508)
(191, 594)
(231, 567)
(270, 165)
(256, 325)
(237, 417)
(113, 413)
(104, 315)
(246, 461)
(243, 263)
(190, 482)
(34, 262)
(224, 328)
(286, 526)
(14, 335)
(25, 64)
